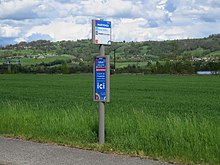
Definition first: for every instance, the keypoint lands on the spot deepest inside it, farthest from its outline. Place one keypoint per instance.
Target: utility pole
(114, 61)
(9, 65)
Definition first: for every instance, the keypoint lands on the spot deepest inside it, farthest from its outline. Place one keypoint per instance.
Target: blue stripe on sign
(103, 24)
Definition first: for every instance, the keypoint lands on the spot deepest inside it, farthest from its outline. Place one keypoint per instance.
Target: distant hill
(147, 50)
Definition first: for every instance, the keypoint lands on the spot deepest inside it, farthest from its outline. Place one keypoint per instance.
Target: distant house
(39, 57)
(207, 72)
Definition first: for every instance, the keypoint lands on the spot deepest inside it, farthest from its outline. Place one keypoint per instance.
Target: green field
(125, 64)
(216, 53)
(171, 118)
(32, 61)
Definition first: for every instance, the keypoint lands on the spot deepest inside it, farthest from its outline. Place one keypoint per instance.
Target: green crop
(172, 118)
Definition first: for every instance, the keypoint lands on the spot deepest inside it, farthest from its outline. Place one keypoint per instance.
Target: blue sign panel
(103, 24)
(100, 78)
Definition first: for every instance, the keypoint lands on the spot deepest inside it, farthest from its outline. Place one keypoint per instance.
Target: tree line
(65, 67)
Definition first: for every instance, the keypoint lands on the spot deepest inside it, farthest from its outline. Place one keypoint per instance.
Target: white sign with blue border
(102, 32)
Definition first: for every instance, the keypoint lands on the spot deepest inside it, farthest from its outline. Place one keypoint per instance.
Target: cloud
(81, 20)
(38, 36)
(17, 9)
(108, 8)
(63, 29)
(9, 31)
(132, 20)
(170, 6)
(32, 9)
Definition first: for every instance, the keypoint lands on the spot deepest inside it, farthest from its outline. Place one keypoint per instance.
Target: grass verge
(191, 139)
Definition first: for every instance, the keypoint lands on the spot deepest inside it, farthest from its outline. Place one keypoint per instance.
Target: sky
(140, 20)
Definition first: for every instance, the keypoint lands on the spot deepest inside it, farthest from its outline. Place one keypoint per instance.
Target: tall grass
(41, 122)
(189, 139)
(169, 118)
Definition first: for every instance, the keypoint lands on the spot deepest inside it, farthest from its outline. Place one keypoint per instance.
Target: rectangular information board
(101, 86)
(101, 32)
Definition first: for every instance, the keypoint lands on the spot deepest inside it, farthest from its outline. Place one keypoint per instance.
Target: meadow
(125, 64)
(48, 59)
(171, 118)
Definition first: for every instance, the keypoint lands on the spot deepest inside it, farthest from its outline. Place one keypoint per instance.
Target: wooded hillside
(163, 50)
